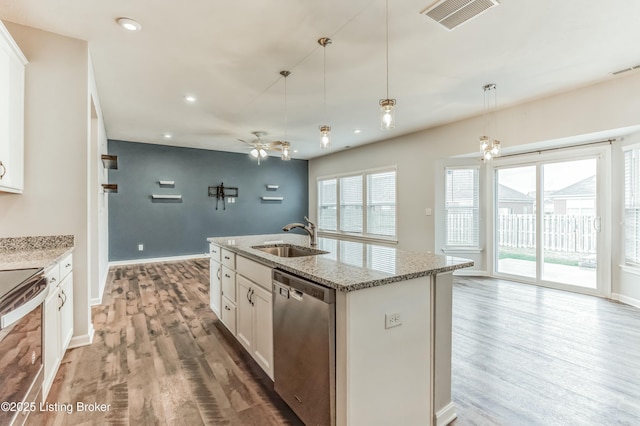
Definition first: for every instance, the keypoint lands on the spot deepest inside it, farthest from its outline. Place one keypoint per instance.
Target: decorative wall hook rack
(220, 192)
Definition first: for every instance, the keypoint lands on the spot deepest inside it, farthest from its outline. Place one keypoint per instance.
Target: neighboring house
(578, 199)
(511, 201)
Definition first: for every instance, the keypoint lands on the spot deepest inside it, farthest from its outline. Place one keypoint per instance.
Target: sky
(556, 175)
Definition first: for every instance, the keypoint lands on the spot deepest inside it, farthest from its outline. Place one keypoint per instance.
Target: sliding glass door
(547, 223)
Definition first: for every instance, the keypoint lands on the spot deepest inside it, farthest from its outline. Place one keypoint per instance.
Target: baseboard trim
(446, 414)
(103, 284)
(83, 340)
(626, 299)
(470, 273)
(158, 259)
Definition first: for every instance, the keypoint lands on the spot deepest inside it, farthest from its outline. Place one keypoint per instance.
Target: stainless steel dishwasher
(304, 356)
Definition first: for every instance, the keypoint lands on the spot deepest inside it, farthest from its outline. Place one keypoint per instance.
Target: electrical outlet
(140, 247)
(392, 320)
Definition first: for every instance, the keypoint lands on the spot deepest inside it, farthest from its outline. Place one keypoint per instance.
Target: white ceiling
(229, 54)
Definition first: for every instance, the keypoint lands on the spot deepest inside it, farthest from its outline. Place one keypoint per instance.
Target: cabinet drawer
(214, 252)
(256, 272)
(53, 276)
(66, 266)
(229, 315)
(228, 283)
(228, 259)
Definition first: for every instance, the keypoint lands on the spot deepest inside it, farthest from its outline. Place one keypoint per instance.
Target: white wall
(597, 110)
(54, 200)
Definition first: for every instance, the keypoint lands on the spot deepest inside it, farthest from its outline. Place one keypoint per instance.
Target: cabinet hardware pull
(227, 308)
(228, 276)
(53, 279)
(65, 298)
(248, 294)
(219, 272)
(62, 302)
(3, 170)
(67, 265)
(251, 298)
(227, 257)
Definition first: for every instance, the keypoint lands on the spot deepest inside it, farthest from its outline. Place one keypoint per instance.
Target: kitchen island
(398, 374)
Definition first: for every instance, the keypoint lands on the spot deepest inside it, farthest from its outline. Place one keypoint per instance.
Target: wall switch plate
(140, 247)
(392, 320)
(427, 211)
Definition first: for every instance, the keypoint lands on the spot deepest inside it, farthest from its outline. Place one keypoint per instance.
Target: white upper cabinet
(12, 66)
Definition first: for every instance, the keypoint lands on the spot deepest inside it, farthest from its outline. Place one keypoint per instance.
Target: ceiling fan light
(262, 153)
(254, 153)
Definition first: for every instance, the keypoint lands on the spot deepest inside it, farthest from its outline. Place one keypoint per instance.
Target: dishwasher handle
(301, 286)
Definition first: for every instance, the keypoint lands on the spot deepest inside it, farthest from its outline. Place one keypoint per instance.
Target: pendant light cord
(285, 107)
(324, 73)
(387, 36)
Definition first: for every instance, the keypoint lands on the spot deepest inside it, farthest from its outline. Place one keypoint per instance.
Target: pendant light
(325, 130)
(285, 145)
(387, 106)
(489, 148)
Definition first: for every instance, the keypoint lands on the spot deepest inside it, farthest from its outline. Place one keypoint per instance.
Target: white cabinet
(255, 321)
(58, 319)
(215, 271)
(12, 67)
(246, 303)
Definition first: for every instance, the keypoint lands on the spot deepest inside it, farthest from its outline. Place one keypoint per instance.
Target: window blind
(462, 207)
(351, 204)
(381, 203)
(327, 206)
(632, 207)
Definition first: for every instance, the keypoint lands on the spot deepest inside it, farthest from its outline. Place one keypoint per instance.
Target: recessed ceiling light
(129, 24)
(356, 131)
(167, 135)
(190, 98)
(295, 150)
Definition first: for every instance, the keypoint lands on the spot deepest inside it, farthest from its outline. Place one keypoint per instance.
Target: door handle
(295, 294)
(597, 223)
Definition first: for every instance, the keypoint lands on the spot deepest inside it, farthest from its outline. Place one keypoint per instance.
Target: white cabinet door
(66, 313)
(215, 269)
(228, 283)
(244, 325)
(262, 350)
(51, 337)
(12, 63)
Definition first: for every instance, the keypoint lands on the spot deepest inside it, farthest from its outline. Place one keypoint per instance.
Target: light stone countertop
(349, 265)
(32, 258)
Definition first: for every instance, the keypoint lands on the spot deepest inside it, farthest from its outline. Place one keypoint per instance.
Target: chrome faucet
(310, 227)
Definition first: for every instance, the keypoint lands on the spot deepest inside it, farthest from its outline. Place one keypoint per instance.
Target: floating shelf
(273, 187)
(110, 161)
(272, 198)
(166, 197)
(110, 187)
(166, 182)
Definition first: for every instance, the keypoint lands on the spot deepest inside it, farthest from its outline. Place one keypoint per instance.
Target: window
(360, 204)
(632, 207)
(462, 211)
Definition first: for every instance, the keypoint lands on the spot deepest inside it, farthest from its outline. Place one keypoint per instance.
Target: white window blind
(361, 204)
(462, 207)
(381, 203)
(632, 207)
(327, 206)
(351, 204)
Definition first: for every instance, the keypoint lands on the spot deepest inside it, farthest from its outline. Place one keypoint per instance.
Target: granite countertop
(348, 265)
(33, 252)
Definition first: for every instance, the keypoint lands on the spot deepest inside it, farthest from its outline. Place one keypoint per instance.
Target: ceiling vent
(453, 13)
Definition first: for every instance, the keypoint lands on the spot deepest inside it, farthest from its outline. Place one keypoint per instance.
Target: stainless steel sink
(287, 250)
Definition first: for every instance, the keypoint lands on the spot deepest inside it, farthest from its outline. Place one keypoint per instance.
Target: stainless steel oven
(22, 293)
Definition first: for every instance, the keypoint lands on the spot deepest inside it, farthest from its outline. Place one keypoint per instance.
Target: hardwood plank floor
(159, 357)
(522, 355)
(526, 355)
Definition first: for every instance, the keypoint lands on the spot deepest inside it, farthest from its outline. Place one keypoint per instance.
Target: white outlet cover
(392, 320)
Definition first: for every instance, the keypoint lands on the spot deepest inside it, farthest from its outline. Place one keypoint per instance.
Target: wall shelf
(272, 198)
(166, 197)
(110, 188)
(109, 161)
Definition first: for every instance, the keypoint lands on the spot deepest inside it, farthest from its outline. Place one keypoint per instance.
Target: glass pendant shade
(286, 151)
(262, 153)
(254, 153)
(489, 148)
(387, 114)
(325, 137)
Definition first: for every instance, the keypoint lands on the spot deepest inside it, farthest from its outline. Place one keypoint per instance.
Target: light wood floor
(522, 355)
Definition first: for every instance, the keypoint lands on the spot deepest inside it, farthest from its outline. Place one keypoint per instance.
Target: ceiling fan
(260, 147)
